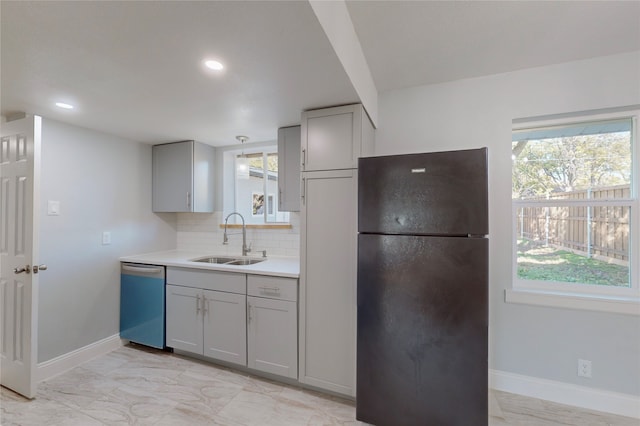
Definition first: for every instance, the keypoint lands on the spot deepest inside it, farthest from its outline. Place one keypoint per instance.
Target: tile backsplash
(202, 232)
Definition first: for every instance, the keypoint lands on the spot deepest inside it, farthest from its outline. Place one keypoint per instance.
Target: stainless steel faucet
(225, 239)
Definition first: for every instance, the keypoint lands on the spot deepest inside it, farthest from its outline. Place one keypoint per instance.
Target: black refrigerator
(422, 344)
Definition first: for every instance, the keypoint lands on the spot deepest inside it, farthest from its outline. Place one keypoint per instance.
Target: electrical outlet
(584, 368)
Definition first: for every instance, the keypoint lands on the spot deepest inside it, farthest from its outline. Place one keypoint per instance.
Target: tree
(541, 167)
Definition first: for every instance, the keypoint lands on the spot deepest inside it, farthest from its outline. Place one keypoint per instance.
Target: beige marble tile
(19, 411)
(333, 409)
(520, 410)
(143, 386)
(76, 388)
(494, 407)
(127, 405)
(184, 414)
(146, 375)
(207, 395)
(497, 421)
(251, 408)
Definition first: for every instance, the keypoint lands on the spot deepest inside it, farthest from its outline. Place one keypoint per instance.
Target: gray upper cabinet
(289, 169)
(334, 138)
(183, 177)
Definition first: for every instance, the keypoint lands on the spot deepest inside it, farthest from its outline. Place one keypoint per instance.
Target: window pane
(567, 162)
(574, 244)
(250, 199)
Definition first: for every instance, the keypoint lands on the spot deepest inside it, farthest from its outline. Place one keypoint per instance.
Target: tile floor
(136, 385)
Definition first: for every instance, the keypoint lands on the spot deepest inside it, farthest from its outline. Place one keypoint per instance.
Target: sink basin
(219, 260)
(227, 260)
(245, 261)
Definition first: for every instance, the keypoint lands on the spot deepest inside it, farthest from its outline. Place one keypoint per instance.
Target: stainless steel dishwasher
(142, 304)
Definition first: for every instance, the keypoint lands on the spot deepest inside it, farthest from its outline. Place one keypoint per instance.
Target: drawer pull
(270, 289)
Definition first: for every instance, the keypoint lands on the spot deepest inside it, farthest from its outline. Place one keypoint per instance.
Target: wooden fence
(595, 231)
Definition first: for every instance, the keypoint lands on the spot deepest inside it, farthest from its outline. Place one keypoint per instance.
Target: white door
(19, 172)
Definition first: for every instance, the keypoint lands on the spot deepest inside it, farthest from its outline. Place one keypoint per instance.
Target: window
(255, 177)
(575, 208)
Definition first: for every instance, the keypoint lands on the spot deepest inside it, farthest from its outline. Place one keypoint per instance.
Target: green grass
(545, 263)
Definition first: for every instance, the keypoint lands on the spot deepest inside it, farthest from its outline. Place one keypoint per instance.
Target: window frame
(624, 300)
(229, 166)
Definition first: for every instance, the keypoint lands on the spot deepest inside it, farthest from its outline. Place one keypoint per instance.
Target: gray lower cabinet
(272, 328)
(225, 329)
(184, 319)
(205, 321)
(209, 313)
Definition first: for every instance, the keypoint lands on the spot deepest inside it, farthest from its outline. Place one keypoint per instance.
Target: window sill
(259, 226)
(600, 303)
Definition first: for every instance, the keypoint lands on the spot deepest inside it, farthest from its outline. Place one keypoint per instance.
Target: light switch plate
(53, 208)
(106, 238)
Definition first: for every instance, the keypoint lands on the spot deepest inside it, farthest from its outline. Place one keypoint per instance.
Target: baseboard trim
(565, 393)
(62, 363)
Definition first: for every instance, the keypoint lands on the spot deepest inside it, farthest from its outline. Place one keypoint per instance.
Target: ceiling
(135, 69)
(424, 42)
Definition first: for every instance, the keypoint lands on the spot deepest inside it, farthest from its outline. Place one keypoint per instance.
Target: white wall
(103, 183)
(528, 340)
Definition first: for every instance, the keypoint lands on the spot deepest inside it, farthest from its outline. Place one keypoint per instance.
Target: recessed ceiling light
(214, 65)
(63, 105)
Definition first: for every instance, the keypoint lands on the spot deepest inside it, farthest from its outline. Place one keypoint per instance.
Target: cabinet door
(173, 177)
(328, 281)
(289, 169)
(203, 175)
(327, 139)
(184, 318)
(272, 341)
(225, 326)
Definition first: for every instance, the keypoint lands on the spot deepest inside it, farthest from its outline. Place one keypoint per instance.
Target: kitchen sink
(245, 261)
(219, 260)
(227, 260)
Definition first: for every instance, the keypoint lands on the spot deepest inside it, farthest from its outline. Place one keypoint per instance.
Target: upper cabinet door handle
(304, 158)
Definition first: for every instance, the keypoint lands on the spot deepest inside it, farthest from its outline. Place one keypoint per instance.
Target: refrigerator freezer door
(441, 193)
(422, 330)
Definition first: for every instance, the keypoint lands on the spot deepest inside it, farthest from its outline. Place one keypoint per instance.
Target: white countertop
(279, 266)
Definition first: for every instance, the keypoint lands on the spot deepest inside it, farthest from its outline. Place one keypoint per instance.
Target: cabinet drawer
(272, 287)
(208, 280)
